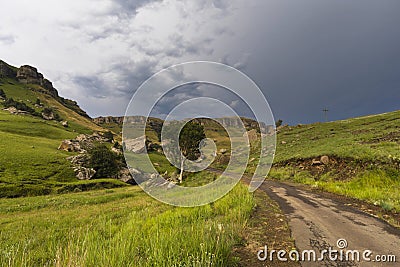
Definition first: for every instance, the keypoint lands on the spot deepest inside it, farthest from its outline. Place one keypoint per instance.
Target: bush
(48, 111)
(108, 135)
(105, 162)
(2, 94)
(19, 105)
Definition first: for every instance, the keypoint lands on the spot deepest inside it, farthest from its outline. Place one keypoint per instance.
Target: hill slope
(361, 157)
(30, 163)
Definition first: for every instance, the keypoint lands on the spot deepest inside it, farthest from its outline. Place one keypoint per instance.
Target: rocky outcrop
(82, 173)
(154, 123)
(29, 75)
(6, 71)
(120, 120)
(91, 138)
(126, 177)
(70, 146)
(12, 110)
(15, 111)
(80, 165)
(48, 115)
(82, 142)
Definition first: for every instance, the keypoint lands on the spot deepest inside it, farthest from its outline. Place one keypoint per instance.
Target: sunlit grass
(379, 186)
(120, 227)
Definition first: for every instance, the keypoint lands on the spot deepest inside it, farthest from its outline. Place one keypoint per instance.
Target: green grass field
(120, 227)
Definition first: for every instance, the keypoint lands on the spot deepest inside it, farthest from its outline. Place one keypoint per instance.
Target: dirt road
(317, 223)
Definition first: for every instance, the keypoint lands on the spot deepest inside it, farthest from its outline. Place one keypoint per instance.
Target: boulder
(324, 160)
(64, 123)
(48, 116)
(83, 173)
(12, 110)
(125, 176)
(70, 146)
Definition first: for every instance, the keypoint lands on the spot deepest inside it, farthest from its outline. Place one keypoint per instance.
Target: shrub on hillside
(2, 94)
(19, 105)
(49, 112)
(105, 162)
(108, 135)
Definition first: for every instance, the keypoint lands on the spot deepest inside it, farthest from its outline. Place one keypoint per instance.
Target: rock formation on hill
(108, 120)
(30, 76)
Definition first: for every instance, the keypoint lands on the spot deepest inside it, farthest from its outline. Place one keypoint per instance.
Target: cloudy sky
(305, 55)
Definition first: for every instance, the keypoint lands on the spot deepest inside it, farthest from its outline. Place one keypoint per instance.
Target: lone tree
(189, 143)
(278, 123)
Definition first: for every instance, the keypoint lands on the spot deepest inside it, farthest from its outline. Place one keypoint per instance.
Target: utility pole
(325, 110)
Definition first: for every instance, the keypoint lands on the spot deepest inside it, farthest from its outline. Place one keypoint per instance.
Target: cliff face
(29, 75)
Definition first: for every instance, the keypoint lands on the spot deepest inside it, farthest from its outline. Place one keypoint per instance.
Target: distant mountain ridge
(249, 124)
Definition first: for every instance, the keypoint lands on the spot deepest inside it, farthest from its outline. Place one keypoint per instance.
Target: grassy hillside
(370, 138)
(30, 163)
(364, 157)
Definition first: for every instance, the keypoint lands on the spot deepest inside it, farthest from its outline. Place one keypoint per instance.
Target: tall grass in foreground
(380, 187)
(129, 231)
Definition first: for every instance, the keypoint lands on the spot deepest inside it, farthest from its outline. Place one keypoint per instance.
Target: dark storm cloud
(196, 90)
(343, 55)
(121, 79)
(305, 55)
(93, 85)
